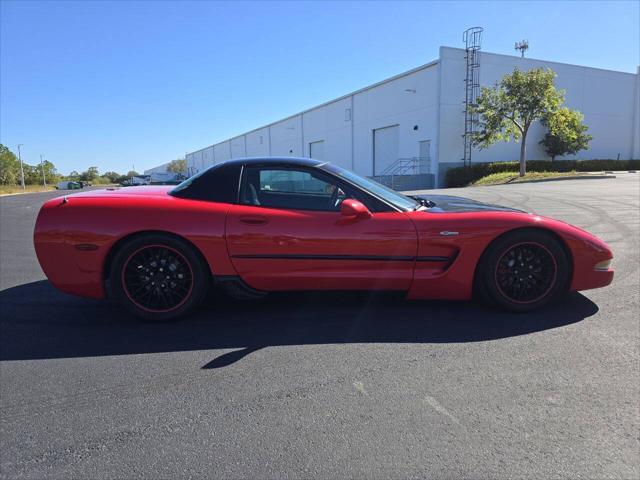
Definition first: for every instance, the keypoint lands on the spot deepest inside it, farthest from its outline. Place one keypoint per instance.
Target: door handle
(254, 220)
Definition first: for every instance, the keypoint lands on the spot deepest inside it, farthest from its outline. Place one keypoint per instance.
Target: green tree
(101, 180)
(112, 176)
(50, 171)
(132, 173)
(566, 133)
(90, 174)
(9, 167)
(32, 175)
(177, 166)
(74, 175)
(508, 109)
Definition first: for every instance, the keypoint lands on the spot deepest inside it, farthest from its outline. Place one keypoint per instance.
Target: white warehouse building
(417, 118)
(159, 169)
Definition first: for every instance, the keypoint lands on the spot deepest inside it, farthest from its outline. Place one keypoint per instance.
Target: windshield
(391, 196)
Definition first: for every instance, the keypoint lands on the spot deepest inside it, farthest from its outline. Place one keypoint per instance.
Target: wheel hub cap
(157, 278)
(526, 272)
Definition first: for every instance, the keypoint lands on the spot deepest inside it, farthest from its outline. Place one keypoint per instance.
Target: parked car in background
(69, 185)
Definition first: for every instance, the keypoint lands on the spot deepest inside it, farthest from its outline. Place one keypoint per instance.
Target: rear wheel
(523, 270)
(158, 277)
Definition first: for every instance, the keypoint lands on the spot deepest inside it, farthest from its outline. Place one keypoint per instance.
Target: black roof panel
(220, 182)
(302, 161)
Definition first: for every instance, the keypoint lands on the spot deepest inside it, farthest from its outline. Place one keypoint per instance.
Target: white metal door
(385, 148)
(425, 156)
(316, 150)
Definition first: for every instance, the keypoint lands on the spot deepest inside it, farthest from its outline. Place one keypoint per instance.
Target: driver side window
(290, 188)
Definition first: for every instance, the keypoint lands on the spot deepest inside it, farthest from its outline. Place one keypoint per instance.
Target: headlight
(603, 266)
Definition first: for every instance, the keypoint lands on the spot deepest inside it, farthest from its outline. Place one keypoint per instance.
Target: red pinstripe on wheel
(157, 278)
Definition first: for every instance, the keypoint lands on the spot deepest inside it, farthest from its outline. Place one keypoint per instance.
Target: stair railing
(405, 166)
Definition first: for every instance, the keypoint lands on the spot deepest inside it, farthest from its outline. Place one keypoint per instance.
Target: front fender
(465, 236)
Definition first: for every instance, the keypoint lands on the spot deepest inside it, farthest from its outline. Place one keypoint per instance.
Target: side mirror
(354, 208)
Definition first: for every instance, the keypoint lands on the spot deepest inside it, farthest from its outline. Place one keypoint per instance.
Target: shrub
(101, 181)
(463, 176)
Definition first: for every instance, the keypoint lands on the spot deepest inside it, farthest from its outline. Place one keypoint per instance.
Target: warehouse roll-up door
(385, 148)
(316, 150)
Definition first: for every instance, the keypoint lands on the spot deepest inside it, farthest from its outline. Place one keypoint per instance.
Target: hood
(451, 204)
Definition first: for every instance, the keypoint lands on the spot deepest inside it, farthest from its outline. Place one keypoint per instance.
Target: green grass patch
(502, 178)
(463, 176)
(7, 189)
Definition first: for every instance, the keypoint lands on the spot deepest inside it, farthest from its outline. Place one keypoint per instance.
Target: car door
(287, 233)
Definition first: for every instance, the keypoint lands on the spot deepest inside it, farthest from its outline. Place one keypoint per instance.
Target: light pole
(21, 168)
(44, 180)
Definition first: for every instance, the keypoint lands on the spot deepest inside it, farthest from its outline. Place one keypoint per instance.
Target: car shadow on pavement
(38, 322)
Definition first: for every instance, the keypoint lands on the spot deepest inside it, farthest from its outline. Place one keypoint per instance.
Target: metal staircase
(406, 173)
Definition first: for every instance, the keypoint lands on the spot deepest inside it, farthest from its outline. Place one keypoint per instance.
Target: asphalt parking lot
(328, 386)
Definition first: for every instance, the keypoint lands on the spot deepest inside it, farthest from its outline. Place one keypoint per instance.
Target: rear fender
(75, 240)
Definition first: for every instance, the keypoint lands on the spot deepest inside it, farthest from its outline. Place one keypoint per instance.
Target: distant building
(417, 118)
(159, 169)
(160, 175)
(165, 177)
(139, 180)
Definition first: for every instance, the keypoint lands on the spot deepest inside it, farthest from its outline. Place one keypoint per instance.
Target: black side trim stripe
(433, 259)
(380, 258)
(86, 246)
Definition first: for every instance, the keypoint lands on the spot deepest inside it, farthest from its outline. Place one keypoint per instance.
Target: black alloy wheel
(523, 270)
(158, 277)
(526, 272)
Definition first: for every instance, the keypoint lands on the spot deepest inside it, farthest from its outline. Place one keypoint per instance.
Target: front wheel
(158, 277)
(523, 270)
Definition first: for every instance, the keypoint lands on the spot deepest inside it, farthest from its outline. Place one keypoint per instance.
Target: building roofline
(390, 79)
(356, 92)
(546, 61)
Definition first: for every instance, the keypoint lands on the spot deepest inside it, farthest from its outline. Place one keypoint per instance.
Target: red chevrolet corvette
(257, 225)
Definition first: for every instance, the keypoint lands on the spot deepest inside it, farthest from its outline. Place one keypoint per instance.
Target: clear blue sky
(113, 84)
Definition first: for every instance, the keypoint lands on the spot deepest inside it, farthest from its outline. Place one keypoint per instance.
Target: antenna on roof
(523, 46)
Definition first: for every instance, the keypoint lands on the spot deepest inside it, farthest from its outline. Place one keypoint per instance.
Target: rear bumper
(59, 262)
(69, 268)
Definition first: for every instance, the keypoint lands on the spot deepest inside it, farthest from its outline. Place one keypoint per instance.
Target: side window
(291, 189)
(292, 181)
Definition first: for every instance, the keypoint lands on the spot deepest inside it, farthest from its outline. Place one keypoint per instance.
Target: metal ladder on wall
(472, 39)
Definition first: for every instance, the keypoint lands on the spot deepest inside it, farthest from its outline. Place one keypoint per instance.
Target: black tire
(151, 258)
(523, 270)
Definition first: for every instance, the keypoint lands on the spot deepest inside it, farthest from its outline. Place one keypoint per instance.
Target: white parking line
(433, 403)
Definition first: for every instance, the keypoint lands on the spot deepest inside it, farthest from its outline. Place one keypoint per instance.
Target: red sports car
(258, 225)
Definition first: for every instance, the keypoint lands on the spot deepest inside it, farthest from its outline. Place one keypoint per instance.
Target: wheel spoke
(526, 272)
(157, 278)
